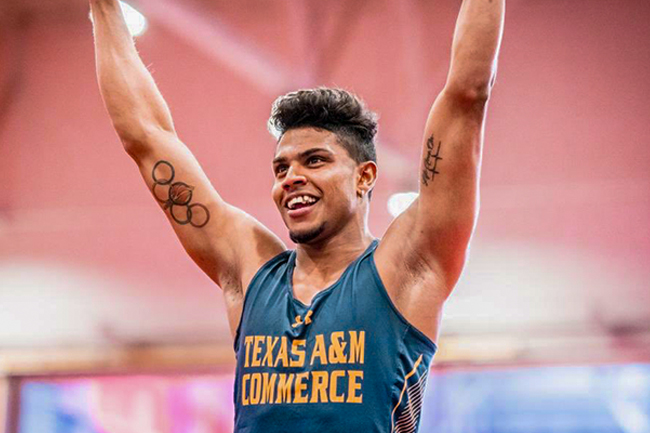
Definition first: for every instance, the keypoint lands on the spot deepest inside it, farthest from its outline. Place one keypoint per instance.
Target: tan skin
(422, 253)
(311, 161)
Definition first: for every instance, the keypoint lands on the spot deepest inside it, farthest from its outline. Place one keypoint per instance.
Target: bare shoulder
(248, 241)
(414, 281)
(226, 242)
(250, 244)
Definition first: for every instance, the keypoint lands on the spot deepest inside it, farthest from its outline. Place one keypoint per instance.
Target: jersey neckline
(291, 265)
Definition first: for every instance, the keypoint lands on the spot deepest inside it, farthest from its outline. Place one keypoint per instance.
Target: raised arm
(448, 204)
(432, 236)
(225, 242)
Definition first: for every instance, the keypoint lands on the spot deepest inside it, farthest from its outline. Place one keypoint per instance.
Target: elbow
(470, 94)
(133, 138)
(135, 149)
(136, 126)
(473, 89)
(137, 140)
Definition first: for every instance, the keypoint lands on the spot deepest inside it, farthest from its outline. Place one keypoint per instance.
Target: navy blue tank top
(349, 362)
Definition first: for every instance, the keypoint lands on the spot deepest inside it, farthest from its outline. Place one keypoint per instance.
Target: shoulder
(409, 253)
(414, 282)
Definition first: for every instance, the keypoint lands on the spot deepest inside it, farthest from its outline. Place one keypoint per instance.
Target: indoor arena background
(106, 325)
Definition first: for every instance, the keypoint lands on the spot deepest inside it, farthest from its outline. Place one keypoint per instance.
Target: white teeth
(300, 200)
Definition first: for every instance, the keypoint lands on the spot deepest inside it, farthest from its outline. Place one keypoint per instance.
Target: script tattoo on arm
(431, 159)
(177, 196)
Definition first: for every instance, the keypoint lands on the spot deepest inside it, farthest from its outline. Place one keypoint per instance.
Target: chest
(305, 287)
(309, 307)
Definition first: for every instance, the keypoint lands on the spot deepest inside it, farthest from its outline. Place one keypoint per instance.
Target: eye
(315, 159)
(280, 169)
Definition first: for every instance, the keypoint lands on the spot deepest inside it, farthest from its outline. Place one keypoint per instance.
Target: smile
(300, 205)
(301, 201)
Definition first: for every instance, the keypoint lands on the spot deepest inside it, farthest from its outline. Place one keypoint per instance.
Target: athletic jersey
(349, 362)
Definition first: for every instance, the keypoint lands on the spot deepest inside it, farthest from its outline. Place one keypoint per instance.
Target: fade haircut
(335, 110)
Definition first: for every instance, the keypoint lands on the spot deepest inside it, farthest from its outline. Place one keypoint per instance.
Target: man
(337, 335)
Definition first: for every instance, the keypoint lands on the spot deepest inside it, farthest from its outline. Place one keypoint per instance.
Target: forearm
(130, 94)
(476, 44)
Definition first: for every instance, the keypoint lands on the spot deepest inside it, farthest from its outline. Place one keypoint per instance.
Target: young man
(337, 335)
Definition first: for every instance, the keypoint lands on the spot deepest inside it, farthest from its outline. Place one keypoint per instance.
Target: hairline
(340, 138)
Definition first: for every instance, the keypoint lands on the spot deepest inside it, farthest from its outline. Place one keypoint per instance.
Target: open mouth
(301, 202)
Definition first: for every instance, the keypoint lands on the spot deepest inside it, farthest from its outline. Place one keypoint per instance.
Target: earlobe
(362, 185)
(367, 178)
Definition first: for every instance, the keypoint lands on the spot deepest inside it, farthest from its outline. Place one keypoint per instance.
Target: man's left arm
(433, 234)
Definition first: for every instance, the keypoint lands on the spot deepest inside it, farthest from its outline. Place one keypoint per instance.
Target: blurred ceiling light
(135, 21)
(399, 202)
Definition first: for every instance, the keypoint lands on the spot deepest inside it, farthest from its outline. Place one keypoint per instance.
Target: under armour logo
(299, 321)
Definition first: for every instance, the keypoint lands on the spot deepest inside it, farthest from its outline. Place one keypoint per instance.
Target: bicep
(422, 253)
(225, 242)
(445, 212)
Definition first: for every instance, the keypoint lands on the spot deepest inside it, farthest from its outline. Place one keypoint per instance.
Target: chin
(306, 236)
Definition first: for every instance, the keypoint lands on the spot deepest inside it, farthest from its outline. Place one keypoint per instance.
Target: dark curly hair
(335, 110)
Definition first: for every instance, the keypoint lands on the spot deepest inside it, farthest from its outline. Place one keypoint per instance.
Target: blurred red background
(559, 264)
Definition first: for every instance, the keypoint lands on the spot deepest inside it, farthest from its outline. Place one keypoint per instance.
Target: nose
(293, 179)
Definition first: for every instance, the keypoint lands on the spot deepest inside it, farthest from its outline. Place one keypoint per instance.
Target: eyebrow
(303, 154)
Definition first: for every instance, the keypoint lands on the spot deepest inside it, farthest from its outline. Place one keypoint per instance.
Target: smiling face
(318, 187)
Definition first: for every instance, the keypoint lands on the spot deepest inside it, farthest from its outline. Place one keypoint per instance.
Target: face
(316, 186)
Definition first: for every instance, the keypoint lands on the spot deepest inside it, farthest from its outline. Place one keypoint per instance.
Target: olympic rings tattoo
(179, 195)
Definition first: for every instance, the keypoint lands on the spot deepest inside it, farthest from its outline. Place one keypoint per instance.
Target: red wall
(565, 161)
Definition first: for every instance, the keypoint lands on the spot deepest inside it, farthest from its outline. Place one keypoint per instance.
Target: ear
(366, 177)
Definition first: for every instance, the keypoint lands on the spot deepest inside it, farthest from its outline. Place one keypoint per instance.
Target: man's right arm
(228, 244)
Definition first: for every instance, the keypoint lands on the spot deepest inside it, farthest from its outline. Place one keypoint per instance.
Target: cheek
(276, 193)
(344, 189)
(346, 185)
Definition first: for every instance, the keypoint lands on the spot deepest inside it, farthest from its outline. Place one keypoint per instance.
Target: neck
(329, 256)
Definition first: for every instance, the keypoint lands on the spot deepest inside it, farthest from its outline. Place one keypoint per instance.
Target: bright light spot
(136, 22)
(630, 417)
(633, 382)
(399, 202)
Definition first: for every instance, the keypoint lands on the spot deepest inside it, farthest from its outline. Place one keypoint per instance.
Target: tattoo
(179, 196)
(431, 161)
